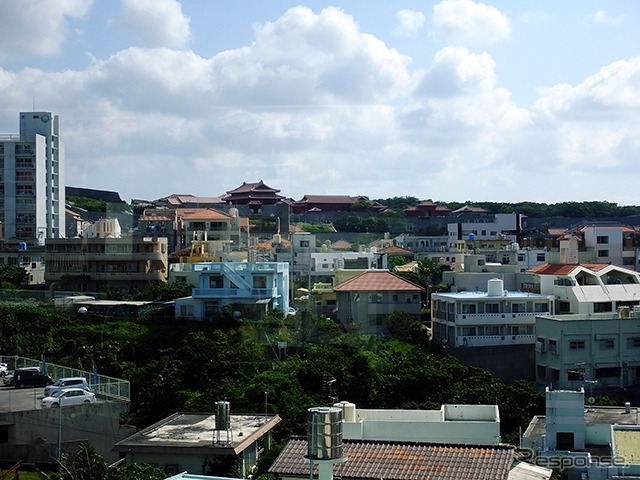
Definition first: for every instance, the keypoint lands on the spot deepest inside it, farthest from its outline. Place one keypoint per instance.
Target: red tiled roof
(565, 268)
(203, 214)
(377, 281)
(403, 461)
(252, 187)
(470, 209)
(154, 218)
(395, 250)
(341, 245)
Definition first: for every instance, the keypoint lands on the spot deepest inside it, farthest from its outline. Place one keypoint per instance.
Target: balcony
(250, 293)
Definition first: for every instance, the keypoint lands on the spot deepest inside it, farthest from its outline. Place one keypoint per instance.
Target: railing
(234, 292)
(110, 387)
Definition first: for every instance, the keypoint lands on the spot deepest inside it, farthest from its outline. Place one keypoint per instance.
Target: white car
(3, 369)
(71, 396)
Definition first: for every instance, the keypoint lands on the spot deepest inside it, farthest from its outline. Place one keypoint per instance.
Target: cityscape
(281, 241)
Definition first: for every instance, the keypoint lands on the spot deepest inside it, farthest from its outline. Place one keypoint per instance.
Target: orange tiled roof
(392, 460)
(395, 250)
(566, 268)
(377, 281)
(203, 214)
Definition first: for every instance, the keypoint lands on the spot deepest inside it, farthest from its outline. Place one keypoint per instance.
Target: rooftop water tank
(348, 410)
(223, 415)
(325, 433)
(495, 287)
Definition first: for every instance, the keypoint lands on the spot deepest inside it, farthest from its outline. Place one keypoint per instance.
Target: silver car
(71, 396)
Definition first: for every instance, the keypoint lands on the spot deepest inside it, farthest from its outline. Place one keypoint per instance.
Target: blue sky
(453, 100)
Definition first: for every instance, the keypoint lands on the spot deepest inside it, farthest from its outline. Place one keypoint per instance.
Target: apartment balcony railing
(253, 293)
(110, 276)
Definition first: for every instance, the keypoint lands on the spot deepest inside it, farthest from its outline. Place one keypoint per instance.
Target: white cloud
(468, 23)
(603, 18)
(408, 22)
(594, 125)
(37, 27)
(157, 23)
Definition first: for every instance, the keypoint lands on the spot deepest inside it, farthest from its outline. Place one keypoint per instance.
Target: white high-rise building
(32, 186)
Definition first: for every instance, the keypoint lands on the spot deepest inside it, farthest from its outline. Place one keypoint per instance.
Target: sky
(455, 101)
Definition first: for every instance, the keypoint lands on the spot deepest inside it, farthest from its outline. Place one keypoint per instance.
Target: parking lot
(14, 400)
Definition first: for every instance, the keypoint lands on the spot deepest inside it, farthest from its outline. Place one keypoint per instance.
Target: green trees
(11, 276)
(182, 366)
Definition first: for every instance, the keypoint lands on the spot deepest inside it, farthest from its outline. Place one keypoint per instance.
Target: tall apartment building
(32, 188)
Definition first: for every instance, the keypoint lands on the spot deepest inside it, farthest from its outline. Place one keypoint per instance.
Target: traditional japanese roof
(256, 194)
(470, 209)
(566, 269)
(370, 459)
(377, 281)
(178, 199)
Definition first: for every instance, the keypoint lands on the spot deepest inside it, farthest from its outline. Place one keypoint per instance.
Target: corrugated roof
(377, 281)
(404, 461)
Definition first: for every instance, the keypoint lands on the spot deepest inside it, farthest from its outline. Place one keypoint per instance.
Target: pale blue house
(245, 288)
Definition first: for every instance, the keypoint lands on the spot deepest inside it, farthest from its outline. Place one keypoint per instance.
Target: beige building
(96, 264)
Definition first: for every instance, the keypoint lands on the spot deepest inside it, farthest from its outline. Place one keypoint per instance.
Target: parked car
(30, 378)
(8, 379)
(70, 396)
(64, 383)
(4, 369)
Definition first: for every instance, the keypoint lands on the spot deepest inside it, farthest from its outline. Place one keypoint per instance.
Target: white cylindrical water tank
(325, 433)
(348, 411)
(495, 287)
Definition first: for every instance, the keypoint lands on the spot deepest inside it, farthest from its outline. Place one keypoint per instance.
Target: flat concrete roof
(627, 444)
(197, 432)
(467, 295)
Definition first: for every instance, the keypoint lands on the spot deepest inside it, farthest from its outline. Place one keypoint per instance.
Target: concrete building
(201, 443)
(587, 288)
(505, 227)
(368, 298)
(487, 318)
(250, 288)
(472, 424)
(126, 264)
(32, 181)
(597, 351)
(593, 443)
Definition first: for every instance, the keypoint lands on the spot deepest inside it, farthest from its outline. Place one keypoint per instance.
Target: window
(518, 308)
(521, 257)
(304, 243)
(563, 307)
(216, 281)
(541, 307)
(633, 342)
(492, 308)
(574, 375)
(602, 239)
(541, 372)
(607, 344)
(603, 253)
(608, 372)
(553, 346)
(468, 308)
(468, 331)
(576, 344)
(602, 307)
(540, 257)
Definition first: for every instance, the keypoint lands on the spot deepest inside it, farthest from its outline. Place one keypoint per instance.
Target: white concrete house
(487, 318)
